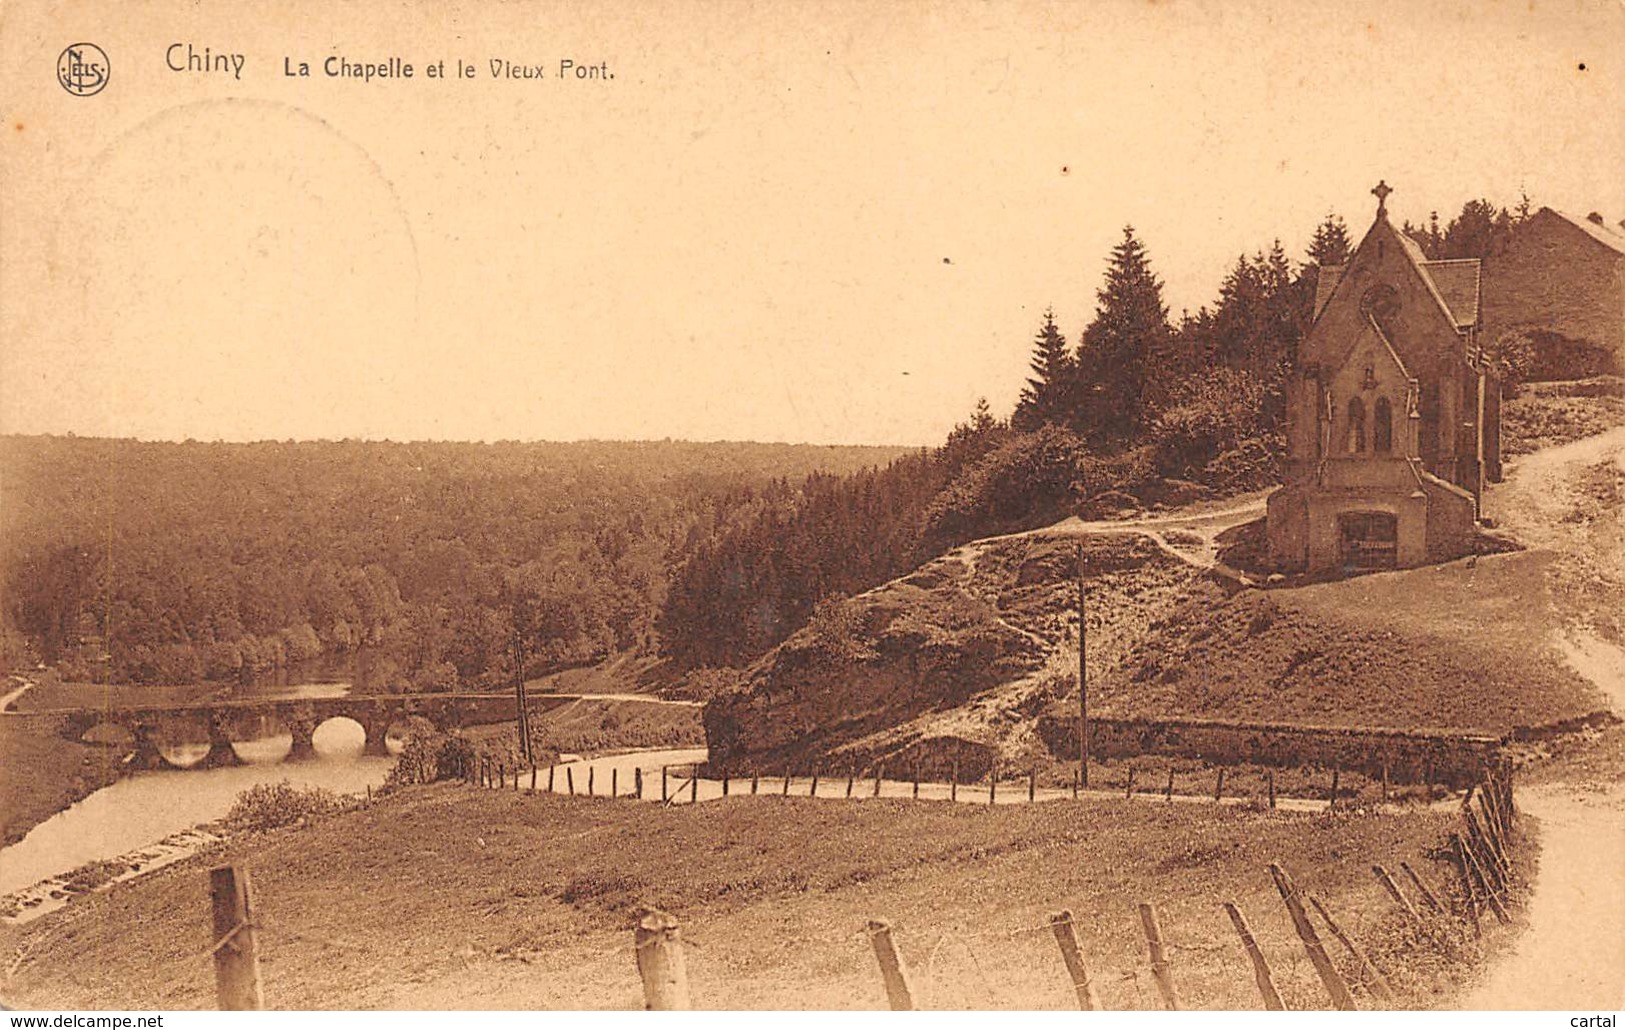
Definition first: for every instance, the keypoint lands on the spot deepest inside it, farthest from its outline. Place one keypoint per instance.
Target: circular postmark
(82, 69)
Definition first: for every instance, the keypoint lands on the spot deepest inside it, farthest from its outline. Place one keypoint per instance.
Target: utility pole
(522, 722)
(1083, 680)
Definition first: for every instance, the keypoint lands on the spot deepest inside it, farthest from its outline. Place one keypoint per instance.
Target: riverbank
(46, 773)
(501, 899)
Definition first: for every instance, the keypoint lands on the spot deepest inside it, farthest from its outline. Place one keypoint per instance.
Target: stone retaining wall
(1411, 756)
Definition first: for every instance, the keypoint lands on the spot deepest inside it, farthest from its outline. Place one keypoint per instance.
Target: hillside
(971, 647)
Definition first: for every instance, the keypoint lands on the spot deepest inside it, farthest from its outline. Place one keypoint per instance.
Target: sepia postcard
(740, 505)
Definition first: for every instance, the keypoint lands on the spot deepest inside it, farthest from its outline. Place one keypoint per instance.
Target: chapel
(1393, 414)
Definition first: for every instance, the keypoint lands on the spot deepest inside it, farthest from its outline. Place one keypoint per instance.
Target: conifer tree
(1116, 356)
(1330, 245)
(1477, 232)
(1048, 393)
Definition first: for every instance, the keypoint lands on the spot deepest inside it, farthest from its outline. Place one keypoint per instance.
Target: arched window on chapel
(1382, 427)
(1356, 426)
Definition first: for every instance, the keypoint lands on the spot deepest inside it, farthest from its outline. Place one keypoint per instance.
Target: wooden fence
(1482, 856)
(1302, 789)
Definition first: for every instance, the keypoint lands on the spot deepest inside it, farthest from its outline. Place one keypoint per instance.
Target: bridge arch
(338, 735)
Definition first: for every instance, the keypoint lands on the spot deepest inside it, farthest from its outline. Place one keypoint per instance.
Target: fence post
(637, 780)
(1159, 957)
(1128, 791)
(814, 792)
(614, 781)
(663, 796)
(1385, 781)
(879, 768)
(1337, 774)
(1067, 938)
(1394, 892)
(1218, 785)
(533, 777)
(1075, 777)
(1261, 966)
(1375, 982)
(1467, 892)
(550, 770)
(1311, 940)
(953, 783)
(993, 784)
(1477, 841)
(1489, 890)
(1032, 784)
(693, 784)
(1422, 888)
(786, 791)
(755, 781)
(570, 779)
(726, 779)
(1493, 831)
(851, 777)
(916, 781)
(1502, 786)
(898, 992)
(236, 956)
(1168, 791)
(658, 945)
(1269, 776)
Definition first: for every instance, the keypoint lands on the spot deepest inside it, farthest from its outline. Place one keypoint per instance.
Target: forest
(428, 566)
(440, 566)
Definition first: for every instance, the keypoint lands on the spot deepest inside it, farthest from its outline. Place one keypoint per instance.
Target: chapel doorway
(1368, 540)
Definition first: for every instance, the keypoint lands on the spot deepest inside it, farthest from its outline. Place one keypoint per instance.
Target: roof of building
(1455, 282)
(1601, 233)
(1458, 283)
(1325, 283)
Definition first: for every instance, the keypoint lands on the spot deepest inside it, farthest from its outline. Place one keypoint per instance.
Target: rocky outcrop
(951, 663)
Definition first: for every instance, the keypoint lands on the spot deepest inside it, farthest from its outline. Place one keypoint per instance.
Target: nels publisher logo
(83, 69)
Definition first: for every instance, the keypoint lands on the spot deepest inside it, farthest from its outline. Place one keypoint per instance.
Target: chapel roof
(1325, 283)
(1454, 281)
(1457, 281)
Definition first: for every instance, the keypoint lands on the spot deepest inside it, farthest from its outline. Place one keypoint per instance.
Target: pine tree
(1115, 359)
(1330, 245)
(1477, 232)
(1048, 394)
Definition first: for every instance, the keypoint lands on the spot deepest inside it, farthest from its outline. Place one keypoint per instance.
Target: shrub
(1212, 414)
(266, 806)
(431, 756)
(1017, 485)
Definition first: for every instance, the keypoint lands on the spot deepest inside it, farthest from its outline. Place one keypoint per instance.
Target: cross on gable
(1381, 191)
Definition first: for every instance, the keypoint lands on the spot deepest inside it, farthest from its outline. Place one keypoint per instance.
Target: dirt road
(1572, 955)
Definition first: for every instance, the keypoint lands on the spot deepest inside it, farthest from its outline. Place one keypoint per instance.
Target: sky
(827, 223)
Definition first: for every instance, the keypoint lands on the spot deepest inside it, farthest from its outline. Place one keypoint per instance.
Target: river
(148, 820)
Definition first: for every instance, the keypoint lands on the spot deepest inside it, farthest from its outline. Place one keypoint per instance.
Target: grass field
(487, 899)
(1463, 646)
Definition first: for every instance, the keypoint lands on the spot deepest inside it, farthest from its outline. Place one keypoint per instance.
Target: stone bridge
(222, 722)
